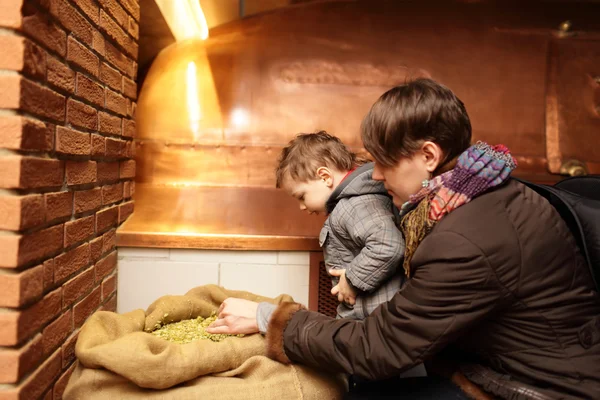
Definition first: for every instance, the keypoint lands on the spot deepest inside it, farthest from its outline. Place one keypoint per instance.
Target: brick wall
(67, 106)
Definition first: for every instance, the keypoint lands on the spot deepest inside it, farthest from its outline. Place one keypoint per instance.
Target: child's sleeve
(371, 226)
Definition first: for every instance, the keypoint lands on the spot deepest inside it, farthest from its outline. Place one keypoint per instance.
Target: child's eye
(301, 198)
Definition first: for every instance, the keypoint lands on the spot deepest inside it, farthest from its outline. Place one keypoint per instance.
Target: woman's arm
(453, 288)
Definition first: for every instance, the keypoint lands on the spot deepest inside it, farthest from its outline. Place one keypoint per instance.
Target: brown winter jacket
(501, 279)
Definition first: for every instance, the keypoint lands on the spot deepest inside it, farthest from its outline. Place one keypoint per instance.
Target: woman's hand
(235, 316)
(343, 291)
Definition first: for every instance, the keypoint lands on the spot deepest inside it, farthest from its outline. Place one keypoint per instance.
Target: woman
(494, 271)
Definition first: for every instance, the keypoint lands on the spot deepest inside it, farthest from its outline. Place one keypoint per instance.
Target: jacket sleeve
(372, 228)
(453, 288)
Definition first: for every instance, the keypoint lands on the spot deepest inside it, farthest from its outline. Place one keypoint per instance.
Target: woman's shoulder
(504, 219)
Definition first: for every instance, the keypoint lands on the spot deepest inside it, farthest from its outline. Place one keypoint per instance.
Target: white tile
(224, 256)
(143, 281)
(142, 252)
(293, 257)
(267, 280)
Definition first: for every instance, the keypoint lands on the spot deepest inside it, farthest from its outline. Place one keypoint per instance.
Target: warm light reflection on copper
(193, 103)
(178, 101)
(185, 18)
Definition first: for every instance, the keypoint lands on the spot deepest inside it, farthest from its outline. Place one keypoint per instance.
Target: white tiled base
(145, 274)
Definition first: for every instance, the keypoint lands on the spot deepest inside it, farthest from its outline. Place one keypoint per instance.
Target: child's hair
(407, 115)
(301, 158)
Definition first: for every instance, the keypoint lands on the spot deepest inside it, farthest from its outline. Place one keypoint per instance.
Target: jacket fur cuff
(277, 324)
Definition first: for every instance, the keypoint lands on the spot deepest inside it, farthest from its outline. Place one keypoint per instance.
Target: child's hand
(343, 291)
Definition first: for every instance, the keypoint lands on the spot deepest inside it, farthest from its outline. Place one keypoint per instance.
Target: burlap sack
(117, 359)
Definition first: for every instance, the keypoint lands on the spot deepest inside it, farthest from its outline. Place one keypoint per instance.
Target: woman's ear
(325, 175)
(433, 156)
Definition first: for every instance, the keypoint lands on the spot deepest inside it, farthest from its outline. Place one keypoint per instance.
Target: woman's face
(407, 176)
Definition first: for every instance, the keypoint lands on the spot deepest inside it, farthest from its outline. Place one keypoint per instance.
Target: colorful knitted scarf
(480, 168)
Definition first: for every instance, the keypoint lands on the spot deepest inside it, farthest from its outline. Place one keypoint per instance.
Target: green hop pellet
(189, 330)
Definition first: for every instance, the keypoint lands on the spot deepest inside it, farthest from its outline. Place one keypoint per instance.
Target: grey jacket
(361, 236)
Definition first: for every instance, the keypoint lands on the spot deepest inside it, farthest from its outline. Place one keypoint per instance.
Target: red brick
(131, 109)
(109, 285)
(112, 193)
(16, 326)
(116, 33)
(133, 7)
(86, 307)
(79, 173)
(106, 266)
(129, 88)
(15, 363)
(77, 287)
(61, 383)
(49, 394)
(79, 230)
(48, 274)
(126, 189)
(70, 262)
(10, 87)
(57, 331)
(133, 29)
(10, 14)
(21, 54)
(68, 349)
(72, 142)
(22, 172)
(38, 383)
(119, 60)
(108, 172)
(109, 240)
(18, 250)
(110, 304)
(116, 11)
(37, 25)
(72, 20)
(81, 115)
(21, 288)
(107, 218)
(125, 210)
(109, 123)
(127, 169)
(58, 205)
(21, 93)
(99, 43)
(98, 145)
(96, 248)
(82, 56)
(128, 128)
(21, 133)
(89, 90)
(21, 212)
(132, 188)
(110, 76)
(115, 148)
(60, 75)
(87, 200)
(89, 8)
(130, 149)
(115, 102)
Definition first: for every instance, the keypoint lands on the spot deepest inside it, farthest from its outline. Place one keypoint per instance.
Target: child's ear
(325, 175)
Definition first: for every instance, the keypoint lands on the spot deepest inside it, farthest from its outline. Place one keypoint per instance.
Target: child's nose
(302, 207)
(377, 175)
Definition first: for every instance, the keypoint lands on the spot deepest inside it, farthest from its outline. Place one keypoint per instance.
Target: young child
(362, 245)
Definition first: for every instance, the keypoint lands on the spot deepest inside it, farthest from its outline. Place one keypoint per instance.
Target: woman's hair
(301, 158)
(407, 115)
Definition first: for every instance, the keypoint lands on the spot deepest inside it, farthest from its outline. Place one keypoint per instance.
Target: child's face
(312, 194)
